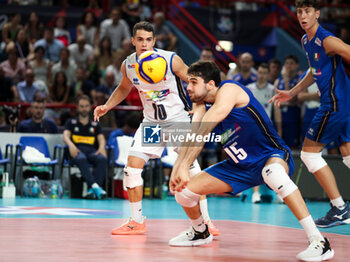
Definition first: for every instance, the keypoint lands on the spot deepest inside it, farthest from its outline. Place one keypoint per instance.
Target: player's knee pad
(277, 179)
(346, 161)
(313, 161)
(195, 169)
(187, 198)
(132, 177)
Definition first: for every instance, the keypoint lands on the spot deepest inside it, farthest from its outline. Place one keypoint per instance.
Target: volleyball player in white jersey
(164, 102)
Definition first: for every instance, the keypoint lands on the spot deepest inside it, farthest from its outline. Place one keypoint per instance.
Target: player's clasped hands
(100, 111)
(179, 179)
(281, 96)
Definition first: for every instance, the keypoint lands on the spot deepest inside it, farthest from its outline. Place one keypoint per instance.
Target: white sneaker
(192, 237)
(256, 197)
(318, 250)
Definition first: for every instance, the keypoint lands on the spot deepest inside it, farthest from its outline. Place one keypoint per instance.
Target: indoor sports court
(79, 230)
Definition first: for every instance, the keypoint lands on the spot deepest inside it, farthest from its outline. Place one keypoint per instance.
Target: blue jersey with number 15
(247, 133)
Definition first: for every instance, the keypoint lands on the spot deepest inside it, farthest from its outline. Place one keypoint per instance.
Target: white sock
(198, 224)
(338, 202)
(95, 185)
(203, 206)
(136, 211)
(310, 228)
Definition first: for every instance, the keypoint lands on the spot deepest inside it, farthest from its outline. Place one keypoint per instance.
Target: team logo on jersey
(316, 56)
(152, 134)
(318, 41)
(229, 133)
(93, 123)
(155, 95)
(316, 72)
(76, 129)
(135, 81)
(310, 132)
(92, 130)
(74, 121)
(305, 40)
(131, 66)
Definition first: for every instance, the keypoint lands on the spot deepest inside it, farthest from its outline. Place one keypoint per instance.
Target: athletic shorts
(240, 178)
(329, 126)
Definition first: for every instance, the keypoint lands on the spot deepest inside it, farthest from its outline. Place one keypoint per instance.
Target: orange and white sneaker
(131, 227)
(212, 228)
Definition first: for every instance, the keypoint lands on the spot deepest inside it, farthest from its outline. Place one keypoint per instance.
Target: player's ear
(317, 14)
(211, 84)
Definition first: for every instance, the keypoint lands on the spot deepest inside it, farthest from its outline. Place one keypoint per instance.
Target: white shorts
(147, 151)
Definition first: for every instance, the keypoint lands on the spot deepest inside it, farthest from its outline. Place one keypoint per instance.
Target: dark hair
(293, 57)
(207, 48)
(143, 25)
(49, 29)
(265, 66)
(55, 88)
(83, 97)
(100, 45)
(94, 22)
(275, 61)
(307, 3)
(207, 70)
(39, 48)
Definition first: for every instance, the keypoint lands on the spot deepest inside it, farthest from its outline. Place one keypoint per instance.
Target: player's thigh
(204, 184)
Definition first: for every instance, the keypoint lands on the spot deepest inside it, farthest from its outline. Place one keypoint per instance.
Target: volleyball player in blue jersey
(332, 120)
(256, 154)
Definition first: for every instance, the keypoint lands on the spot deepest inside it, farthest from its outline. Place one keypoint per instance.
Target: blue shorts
(240, 178)
(329, 126)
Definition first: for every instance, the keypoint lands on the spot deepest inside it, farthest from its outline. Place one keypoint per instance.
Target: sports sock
(339, 203)
(136, 211)
(198, 224)
(310, 228)
(203, 206)
(95, 185)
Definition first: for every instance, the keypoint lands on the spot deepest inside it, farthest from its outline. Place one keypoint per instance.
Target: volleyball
(151, 67)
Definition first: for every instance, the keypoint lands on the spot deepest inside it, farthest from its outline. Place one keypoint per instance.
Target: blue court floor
(220, 208)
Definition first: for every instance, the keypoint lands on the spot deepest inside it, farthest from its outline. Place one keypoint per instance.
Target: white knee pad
(132, 177)
(187, 198)
(195, 169)
(346, 161)
(277, 179)
(313, 161)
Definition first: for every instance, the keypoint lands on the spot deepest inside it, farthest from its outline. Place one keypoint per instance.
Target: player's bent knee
(277, 179)
(346, 161)
(132, 177)
(187, 198)
(313, 161)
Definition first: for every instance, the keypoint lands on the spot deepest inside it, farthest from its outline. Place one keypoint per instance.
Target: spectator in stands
(246, 74)
(61, 32)
(10, 29)
(274, 70)
(234, 68)
(109, 85)
(165, 39)
(34, 28)
(13, 67)
(131, 11)
(189, 3)
(82, 85)
(263, 91)
(289, 117)
(88, 28)
(115, 28)
(116, 67)
(8, 91)
(59, 90)
(51, 45)
(27, 88)
(104, 54)
(86, 145)
(66, 65)
(37, 123)
(23, 45)
(93, 73)
(208, 55)
(80, 51)
(41, 67)
(127, 47)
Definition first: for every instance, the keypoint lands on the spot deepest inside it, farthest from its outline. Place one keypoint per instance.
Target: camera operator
(37, 123)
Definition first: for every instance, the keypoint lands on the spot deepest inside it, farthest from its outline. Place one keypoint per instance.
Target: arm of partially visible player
(226, 98)
(119, 94)
(179, 68)
(333, 45)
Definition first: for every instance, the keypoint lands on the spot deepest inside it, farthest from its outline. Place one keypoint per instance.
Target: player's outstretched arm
(180, 68)
(119, 94)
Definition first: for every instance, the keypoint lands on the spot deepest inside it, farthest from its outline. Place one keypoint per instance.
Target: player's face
(143, 41)
(196, 88)
(84, 108)
(307, 17)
